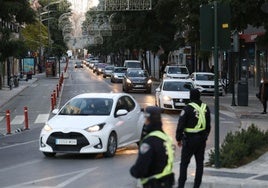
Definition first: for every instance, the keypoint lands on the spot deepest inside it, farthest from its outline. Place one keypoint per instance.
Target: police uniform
(193, 130)
(154, 164)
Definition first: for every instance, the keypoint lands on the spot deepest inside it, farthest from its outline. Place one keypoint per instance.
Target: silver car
(108, 71)
(118, 74)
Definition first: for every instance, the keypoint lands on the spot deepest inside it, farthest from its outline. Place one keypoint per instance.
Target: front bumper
(138, 86)
(84, 143)
(174, 104)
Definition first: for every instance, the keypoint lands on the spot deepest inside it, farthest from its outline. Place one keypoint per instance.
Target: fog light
(42, 143)
(99, 145)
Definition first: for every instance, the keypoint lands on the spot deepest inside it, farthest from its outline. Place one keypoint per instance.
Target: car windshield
(120, 70)
(88, 106)
(109, 68)
(133, 64)
(140, 73)
(205, 77)
(177, 86)
(177, 70)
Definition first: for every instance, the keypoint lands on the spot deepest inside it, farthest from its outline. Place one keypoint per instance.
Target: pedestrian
(191, 134)
(154, 164)
(263, 94)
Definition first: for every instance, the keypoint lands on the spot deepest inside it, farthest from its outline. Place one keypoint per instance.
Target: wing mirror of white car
(55, 111)
(157, 89)
(121, 112)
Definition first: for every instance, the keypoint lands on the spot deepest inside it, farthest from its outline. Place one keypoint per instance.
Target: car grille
(81, 141)
(185, 101)
(208, 87)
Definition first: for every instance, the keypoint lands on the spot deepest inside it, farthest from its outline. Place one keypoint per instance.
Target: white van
(132, 64)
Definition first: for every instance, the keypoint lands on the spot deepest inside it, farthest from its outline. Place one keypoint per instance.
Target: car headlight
(115, 76)
(128, 81)
(149, 81)
(95, 128)
(47, 128)
(167, 98)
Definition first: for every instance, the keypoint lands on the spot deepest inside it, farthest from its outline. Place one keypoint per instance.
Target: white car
(93, 123)
(176, 71)
(173, 94)
(204, 82)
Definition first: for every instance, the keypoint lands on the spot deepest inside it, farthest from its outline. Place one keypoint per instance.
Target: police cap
(194, 94)
(153, 113)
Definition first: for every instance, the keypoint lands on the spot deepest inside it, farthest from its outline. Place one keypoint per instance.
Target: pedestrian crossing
(19, 119)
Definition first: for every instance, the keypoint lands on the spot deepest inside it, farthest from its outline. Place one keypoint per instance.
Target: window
(130, 103)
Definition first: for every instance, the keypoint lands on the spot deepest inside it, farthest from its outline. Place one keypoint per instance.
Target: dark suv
(137, 80)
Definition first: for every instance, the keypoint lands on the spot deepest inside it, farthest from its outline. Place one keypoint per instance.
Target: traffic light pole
(216, 81)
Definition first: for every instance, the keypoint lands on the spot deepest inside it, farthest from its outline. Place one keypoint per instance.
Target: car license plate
(139, 86)
(179, 104)
(66, 142)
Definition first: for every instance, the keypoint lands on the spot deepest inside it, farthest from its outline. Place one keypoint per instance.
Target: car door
(127, 125)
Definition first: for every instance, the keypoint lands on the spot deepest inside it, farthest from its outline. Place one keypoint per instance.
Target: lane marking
(33, 182)
(42, 118)
(19, 119)
(19, 144)
(20, 165)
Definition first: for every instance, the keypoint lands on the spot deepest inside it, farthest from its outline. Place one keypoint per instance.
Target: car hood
(138, 79)
(177, 75)
(205, 83)
(177, 94)
(75, 122)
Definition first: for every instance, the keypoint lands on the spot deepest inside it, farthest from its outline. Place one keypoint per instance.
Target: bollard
(26, 120)
(8, 122)
(54, 97)
(52, 102)
(57, 90)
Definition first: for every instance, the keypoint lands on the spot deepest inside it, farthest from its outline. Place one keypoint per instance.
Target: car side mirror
(55, 111)
(121, 112)
(157, 89)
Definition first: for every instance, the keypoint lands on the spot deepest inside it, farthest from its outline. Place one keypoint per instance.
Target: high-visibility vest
(201, 123)
(169, 151)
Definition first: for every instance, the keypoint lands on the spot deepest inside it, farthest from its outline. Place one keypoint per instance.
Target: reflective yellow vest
(201, 124)
(170, 152)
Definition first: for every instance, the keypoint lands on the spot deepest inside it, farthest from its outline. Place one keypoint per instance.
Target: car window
(121, 105)
(87, 106)
(177, 86)
(129, 103)
(139, 73)
(177, 70)
(120, 70)
(205, 77)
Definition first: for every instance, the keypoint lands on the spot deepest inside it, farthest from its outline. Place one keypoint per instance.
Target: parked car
(78, 64)
(173, 94)
(204, 82)
(93, 123)
(108, 71)
(176, 71)
(137, 80)
(118, 74)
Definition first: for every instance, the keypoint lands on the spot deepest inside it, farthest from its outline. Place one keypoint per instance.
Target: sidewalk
(253, 175)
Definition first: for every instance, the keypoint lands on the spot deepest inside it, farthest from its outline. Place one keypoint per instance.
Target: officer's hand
(179, 143)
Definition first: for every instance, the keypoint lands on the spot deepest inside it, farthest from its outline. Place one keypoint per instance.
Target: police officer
(156, 153)
(192, 132)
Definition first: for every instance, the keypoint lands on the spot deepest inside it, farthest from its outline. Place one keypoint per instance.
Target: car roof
(176, 80)
(209, 73)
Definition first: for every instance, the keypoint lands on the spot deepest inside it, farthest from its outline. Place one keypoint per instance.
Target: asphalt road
(22, 165)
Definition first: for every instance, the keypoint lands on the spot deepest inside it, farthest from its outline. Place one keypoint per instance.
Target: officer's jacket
(189, 119)
(152, 158)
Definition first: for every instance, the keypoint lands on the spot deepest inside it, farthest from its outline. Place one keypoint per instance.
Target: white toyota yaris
(93, 123)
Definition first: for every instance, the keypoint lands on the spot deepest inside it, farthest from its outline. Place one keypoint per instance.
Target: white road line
(79, 172)
(42, 118)
(19, 119)
(20, 165)
(19, 144)
(1, 118)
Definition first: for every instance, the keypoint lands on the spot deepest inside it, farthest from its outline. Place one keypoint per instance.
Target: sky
(83, 5)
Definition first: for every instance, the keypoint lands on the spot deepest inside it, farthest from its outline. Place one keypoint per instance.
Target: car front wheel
(111, 145)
